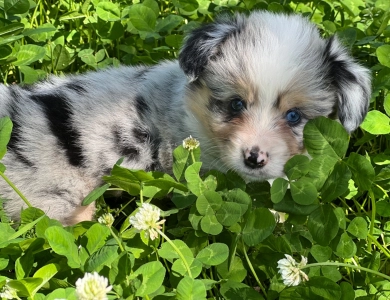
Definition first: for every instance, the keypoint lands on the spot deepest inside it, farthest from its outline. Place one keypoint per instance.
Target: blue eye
(293, 116)
(237, 104)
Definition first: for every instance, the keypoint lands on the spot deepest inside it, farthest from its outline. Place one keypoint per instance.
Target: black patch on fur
(27, 87)
(140, 134)
(150, 138)
(338, 76)
(16, 139)
(194, 86)
(204, 44)
(59, 115)
(129, 151)
(141, 105)
(339, 73)
(125, 149)
(141, 73)
(62, 193)
(278, 100)
(155, 144)
(107, 171)
(14, 93)
(217, 106)
(224, 108)
(77, 87)
(337, 70)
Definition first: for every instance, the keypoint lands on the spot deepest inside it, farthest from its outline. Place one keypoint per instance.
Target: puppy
(245, 86)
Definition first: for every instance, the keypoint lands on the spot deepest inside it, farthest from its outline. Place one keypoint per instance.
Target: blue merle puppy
(244, 86)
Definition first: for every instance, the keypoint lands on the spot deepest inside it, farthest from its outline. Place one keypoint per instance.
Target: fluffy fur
(244, 86)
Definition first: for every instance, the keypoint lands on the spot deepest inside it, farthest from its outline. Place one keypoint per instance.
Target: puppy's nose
(254, 158)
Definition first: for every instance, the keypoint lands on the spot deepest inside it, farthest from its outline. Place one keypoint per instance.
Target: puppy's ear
(203, 43)
(352, 83)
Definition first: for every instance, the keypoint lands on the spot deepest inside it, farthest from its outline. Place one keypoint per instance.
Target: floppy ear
(203, 44)
(352, 83)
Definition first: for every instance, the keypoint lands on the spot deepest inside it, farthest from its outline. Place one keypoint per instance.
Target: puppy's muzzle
(255, 158)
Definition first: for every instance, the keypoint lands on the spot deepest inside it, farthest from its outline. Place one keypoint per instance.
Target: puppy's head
(255, 81)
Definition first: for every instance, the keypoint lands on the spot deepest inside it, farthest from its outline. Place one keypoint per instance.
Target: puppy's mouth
(249, 176)
(255, 172)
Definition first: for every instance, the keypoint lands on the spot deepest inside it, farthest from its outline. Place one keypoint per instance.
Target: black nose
(254, 158)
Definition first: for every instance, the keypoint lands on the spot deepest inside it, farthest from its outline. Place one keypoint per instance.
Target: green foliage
(335, 204)
(222, 244)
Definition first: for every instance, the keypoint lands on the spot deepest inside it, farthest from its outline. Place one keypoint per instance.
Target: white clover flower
(190, 143)
(292, 274)
(8, 292)
(147, 219)
(92, 287)
(106, 219)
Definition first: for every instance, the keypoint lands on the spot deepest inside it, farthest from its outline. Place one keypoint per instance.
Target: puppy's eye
(293, 116)
(237, 105)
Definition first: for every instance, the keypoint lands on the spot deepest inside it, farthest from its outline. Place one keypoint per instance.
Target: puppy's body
(69, 132)
(244, 86)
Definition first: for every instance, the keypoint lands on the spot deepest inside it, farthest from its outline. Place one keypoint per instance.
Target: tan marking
(291, 99)
(247, 91)
(81, 213)
(197, 103)
(285, 132)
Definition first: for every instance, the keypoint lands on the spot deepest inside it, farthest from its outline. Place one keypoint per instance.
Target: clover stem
(15, 189)
(253, 271)
(177, 251)
(192, 156)
(373, 213)
(33, 18)
(347, 266)
(141, 193)
(116, 238)
(383, 249)
(117, 213)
